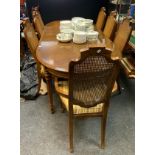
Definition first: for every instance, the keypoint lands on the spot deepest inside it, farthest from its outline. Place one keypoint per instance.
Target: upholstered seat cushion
(80, 110)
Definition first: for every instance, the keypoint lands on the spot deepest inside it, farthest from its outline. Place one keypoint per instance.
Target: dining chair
(32, 42)
(30, 37)
(120, 41)
(39, 27)
(101, 18)
(110, 27)
(121, 38)
(91, 80)
(35, 10)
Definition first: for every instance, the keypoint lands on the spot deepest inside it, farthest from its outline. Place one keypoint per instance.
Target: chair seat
(62, 87)
(81, 110)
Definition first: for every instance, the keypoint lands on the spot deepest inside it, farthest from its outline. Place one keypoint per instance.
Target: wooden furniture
(36, 11)
(37, 20)
(101, 19)
(56, 56)
(38, 24)
(110, 26)
(91, 80)
(32, 42)
(31, 37)
(121, 40)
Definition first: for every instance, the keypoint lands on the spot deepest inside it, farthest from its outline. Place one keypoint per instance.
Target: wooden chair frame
(29, 29)
(102, 52)
(100, 22)
(110, 27)
(38, 24)
(121, 38)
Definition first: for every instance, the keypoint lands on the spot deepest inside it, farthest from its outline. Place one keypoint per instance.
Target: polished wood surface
(56, 56)
(110, 27)
(31, 38)
(101, 18)
(121, 38)
(38, 25)
(35, 11)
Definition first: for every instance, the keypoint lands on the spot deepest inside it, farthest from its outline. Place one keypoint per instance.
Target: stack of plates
(68, 31)
(65, 24)
(79, 29)
(88, 22)
(92, 36)
(79, 37)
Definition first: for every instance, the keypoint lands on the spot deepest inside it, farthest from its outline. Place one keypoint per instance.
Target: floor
(43, 133)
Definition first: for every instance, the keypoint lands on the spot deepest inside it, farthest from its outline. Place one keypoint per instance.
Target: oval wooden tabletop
(56, 55)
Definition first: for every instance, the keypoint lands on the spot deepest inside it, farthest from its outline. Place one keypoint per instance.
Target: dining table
(55, 56)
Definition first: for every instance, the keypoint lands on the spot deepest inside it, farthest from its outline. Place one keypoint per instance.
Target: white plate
(79, 41)
(62, 37)
(69, 31)
(65, 23)
(77, 19)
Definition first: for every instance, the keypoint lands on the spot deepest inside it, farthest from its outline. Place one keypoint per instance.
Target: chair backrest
(110, 27)
(26, 22)
(39, 26)
(113, 13)
(121, 38)
(101, 19)
(35, 10)
(31, 38)
(91, 79)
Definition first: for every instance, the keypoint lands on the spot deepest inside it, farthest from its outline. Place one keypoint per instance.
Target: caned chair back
(91, 79)
(121, 38)
(101, 19)
(38, 24)
(31, 38)
(110, 27)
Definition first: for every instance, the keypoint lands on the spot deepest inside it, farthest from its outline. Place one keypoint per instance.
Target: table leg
(49, 89)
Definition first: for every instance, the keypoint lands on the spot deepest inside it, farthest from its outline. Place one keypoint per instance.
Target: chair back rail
(101, 19)
(38, 24)
(110, 27)
(31, 38)
(122, 37)
(35, 10)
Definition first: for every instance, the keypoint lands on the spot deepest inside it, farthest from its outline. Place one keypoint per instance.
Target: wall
(66, 9)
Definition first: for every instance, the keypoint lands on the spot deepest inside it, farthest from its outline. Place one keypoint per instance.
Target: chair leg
(103, 128)
(103, 124)
(119, 86)
(70, 133)
(49, 90)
